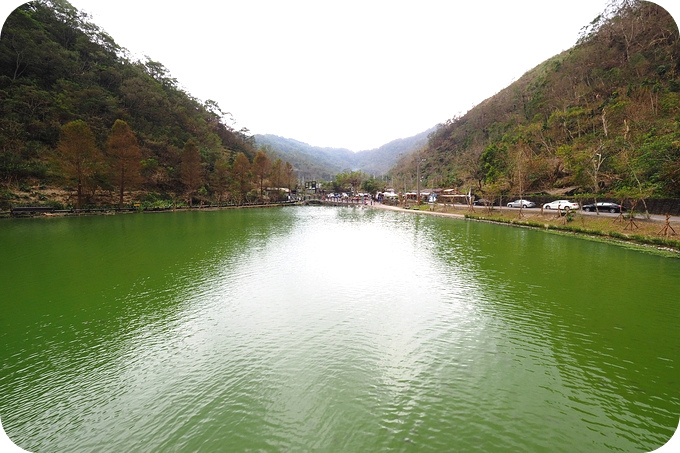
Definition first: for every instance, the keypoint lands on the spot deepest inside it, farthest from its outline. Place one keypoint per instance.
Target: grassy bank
(616, 228)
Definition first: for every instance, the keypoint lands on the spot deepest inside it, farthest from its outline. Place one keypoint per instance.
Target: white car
(561, 204)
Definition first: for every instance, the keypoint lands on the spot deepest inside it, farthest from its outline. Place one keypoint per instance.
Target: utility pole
(596, 184)
(419, 161)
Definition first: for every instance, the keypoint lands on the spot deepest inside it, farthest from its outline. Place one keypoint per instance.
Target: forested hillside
(314, 162)
(380, 160)
(64, 83)
(602, 117)
(82, 123)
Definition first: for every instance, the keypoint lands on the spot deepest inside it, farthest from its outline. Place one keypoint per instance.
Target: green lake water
(331, 329)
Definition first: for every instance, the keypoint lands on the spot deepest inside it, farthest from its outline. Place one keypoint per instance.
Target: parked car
(521, 204)
(604, 206)
(561, 204)
(483, 202)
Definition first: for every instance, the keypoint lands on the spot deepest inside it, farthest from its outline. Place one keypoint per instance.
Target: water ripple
(342, 330)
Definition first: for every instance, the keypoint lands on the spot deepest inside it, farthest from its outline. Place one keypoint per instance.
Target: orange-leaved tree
(289, 175)
(125, 157)
(191, 170)
(261, 168)
(220, 179)
(241, 173)
(77, 156)
(276, 174)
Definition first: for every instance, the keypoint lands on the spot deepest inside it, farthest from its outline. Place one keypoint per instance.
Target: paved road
(675, 220)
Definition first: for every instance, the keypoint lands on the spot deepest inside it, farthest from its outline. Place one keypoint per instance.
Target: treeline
(77, 113)
(79, 162)
(349, 181)
(600, 118)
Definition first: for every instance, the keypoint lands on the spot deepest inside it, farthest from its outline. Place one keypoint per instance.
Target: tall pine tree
(77, 157)
(125, 157)
(191, 174)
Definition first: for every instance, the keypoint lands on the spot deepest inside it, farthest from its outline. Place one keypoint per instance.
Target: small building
(453, 196)
(413, 196)
(389, 194)
(277, 193)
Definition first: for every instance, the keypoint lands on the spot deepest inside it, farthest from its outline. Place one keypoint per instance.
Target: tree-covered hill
(311, 162)
(380, 160)
(314, 162)
(57, 68)
(602, 117)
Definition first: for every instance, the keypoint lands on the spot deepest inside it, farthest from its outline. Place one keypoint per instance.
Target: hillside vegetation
(313, 162)
(81, 123)
(600, 118)
(65, 83)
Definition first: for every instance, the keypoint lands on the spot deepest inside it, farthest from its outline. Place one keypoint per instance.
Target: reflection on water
(331, 328)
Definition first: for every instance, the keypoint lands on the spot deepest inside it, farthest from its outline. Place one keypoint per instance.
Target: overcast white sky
(352, 73)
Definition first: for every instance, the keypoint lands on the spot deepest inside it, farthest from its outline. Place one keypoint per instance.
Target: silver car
(521, 204)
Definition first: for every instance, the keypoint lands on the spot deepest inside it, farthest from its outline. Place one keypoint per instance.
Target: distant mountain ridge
(315, 162)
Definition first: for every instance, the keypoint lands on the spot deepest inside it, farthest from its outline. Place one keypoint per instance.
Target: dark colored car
(483, 202)
(604, 206)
